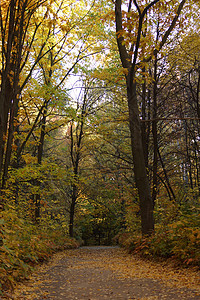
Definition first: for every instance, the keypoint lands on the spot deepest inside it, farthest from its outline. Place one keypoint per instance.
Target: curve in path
(96, 273)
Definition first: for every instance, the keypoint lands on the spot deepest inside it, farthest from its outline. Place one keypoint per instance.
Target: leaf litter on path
(96, 273)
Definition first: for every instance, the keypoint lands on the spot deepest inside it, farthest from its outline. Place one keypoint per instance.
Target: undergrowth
(179, 240)
(167, 243)
(23, 245)
(176, 235)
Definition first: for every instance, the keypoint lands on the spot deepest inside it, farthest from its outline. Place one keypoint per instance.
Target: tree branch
(120, 40)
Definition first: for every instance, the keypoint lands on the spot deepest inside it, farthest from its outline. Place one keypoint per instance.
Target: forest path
(95, 273)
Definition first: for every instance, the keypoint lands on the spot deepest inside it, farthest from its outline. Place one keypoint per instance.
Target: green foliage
(97, 221)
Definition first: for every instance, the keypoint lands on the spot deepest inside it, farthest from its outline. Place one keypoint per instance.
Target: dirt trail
(95, 273)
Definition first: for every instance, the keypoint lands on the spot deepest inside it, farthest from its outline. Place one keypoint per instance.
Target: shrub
(22, 245)
(178, 240)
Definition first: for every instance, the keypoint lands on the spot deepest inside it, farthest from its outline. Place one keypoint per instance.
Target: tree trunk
(166, 176)
(155, 135)
(144, 126)
(75, 159)
(72, 210)
(39, 158)
(129, 60)
(141, 178)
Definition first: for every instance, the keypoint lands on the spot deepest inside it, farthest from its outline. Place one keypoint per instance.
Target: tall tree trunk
(129, 59)
(188, 157)
(42, 135)
(76, 140)
(196, 159)
(5, 107)
(141, 178)
(72, 210)
(155, 134)
(144, 125)
(166, 176)
(11, 129)
(36, 197)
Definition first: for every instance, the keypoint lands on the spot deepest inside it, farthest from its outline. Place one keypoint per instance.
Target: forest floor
(96, 273)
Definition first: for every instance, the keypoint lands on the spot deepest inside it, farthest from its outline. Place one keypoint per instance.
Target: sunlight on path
(96, 273)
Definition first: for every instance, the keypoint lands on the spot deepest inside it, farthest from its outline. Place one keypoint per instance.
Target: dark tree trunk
(11, 129)
(13, 32)
(166, 176)
(144, 125)
(39, 158)
(129, 60)
(42, 135)
(141, 178)
(155, 135)
(76, 140)
(72, 210)
(140, 171)
(197, 165)
(188, 156)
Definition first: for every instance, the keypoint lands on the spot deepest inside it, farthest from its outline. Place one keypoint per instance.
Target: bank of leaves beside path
(24, 244)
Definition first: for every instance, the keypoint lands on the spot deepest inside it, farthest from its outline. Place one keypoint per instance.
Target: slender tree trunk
(5, 105)
(75, 150)
(197, 95)
(42, 135)
(72, 210)
(144, 125)
(166, 176)
(196, 156)
(188, 158)
(11, 129)
(155, 135)
(37, 199)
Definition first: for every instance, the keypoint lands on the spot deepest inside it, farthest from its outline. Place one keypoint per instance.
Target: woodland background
(66, 146)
